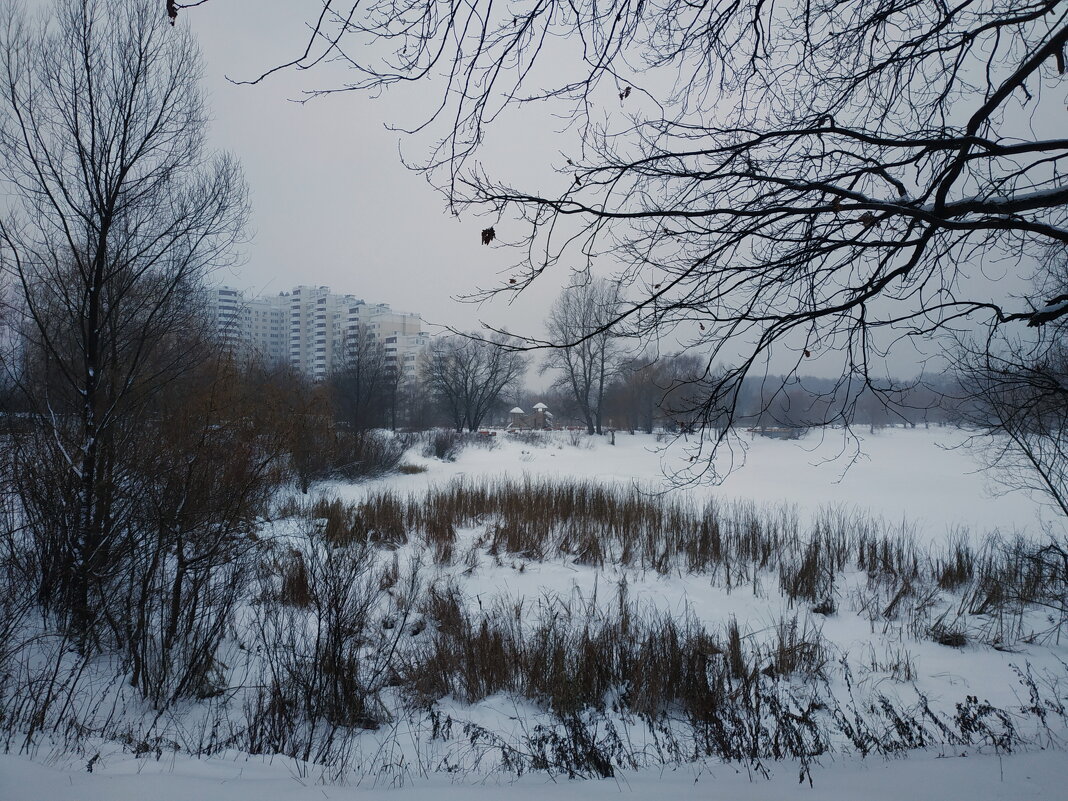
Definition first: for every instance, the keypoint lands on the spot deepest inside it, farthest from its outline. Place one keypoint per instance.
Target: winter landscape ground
(245, 551)
(801, 631)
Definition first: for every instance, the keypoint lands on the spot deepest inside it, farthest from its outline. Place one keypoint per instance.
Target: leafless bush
(444, 444)
(324, 680)
(364, 454)
(536, 439)
(486, 440)
(197, 478)
(296, 584)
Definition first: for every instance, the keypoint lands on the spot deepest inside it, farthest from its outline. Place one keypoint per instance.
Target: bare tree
(658, 389)
(797, 178)
(1017, 399)
(364, 383)
(633, 399)
(580, 319)
(469, 375)
(203, 473)
(115, 215)
(1022, 406)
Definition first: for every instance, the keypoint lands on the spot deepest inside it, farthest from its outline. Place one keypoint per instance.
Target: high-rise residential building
(226, 306)
(250, 325)
(315, 330)
(268, 330)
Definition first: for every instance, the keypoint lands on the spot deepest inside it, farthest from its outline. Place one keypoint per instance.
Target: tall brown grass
(734, 543)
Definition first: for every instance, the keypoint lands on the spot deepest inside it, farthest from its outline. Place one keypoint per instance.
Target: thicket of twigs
(325, 634)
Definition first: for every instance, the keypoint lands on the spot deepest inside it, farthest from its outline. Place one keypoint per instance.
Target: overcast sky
(332, 202)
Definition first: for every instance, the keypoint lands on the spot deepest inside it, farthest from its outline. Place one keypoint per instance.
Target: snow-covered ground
(1036, 776)
(915, 479)
(923, 477)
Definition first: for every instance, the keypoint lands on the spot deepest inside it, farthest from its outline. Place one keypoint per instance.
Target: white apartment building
(403, 350)
(226, 306)
(314, 329)
(249, 325)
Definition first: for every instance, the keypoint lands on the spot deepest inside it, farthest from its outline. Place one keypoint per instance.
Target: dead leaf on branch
(488, 235)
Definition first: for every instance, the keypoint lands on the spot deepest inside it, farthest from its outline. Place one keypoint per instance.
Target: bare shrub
(485, 440)
(365, 454)
(948, 633)
(327, 678)
(536, 439)
(296, 584)
(444, 444)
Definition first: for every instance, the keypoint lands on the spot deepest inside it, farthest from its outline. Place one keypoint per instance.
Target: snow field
(915, 487)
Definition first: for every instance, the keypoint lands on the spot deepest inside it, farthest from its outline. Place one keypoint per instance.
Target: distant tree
(416, 407)
(469, 375)
(363, 383)
(797, 178)
(585, 360)
(682, 405)
(632, 400)
(114, 213)
(1016, 393)
(654, 389)
(395, 387)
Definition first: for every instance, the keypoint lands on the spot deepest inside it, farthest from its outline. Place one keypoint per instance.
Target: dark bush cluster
(443, 444)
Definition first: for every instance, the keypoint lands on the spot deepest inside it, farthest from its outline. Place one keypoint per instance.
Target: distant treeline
(668, 393)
